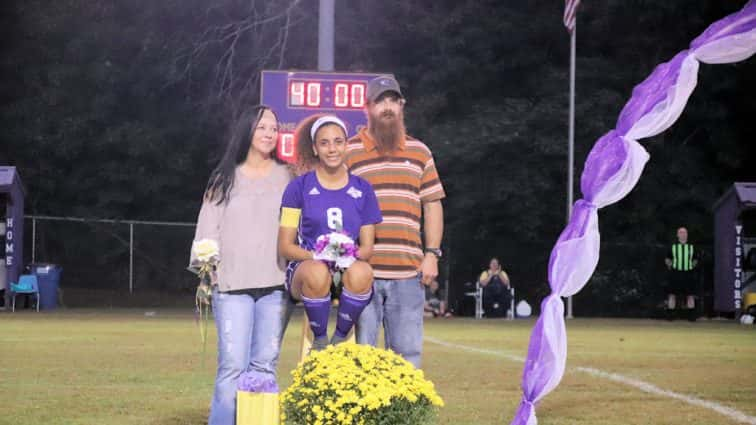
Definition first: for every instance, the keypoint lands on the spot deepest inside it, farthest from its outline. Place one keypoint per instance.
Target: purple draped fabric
(737, 23)
(612, 169)
(651, 92)
(580, 239)
(604, 161)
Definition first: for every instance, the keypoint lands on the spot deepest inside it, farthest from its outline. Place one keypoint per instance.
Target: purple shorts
(290, 269)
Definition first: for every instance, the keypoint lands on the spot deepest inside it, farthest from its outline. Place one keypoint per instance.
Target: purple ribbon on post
(612, 169)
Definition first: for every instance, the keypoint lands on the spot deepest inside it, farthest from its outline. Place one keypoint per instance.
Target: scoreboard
(294, 95)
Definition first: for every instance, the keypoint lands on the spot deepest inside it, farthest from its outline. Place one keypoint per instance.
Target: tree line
(119, 110)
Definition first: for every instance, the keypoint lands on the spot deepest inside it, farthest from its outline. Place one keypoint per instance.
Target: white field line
(734, 414)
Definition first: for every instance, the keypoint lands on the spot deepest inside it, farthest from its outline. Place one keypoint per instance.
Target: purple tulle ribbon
(737, 23)
(612, 169)
(253, 381)
(651, 92)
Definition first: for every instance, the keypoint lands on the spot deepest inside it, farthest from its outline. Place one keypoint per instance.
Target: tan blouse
(246, 228)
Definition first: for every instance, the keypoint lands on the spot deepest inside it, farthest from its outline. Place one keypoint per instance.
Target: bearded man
(403, 174)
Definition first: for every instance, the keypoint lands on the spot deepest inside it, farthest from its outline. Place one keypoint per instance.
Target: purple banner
(612, 169)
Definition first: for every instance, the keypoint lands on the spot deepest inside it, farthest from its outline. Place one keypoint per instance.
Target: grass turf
(125, 367)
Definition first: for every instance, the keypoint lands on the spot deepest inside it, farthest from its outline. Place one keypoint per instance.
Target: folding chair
(511, 312)
(478, 295)
(27, 284)
(478, 301)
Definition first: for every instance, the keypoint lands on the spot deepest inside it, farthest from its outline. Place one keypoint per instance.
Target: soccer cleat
(692, 315)
(669, 314)
(336, 339)
(319, 344)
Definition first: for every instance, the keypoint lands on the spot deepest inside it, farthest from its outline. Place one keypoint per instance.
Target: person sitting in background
(496, 290)
(434, 305)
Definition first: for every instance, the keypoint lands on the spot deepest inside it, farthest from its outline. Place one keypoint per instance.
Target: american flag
(570, 10)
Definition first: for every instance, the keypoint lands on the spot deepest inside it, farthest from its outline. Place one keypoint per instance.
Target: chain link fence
(115, 263)
(127, 263)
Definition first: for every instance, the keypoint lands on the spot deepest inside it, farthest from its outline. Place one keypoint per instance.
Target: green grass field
(123, 367)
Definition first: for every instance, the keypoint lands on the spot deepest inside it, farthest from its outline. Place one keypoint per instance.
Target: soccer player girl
(324, 200)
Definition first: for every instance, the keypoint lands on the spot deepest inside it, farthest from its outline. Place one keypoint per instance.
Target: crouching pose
(318, 209)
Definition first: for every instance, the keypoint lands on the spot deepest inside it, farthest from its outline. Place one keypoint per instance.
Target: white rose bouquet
(206, 255)
(337, 250)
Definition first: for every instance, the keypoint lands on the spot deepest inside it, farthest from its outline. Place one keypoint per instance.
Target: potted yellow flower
(358, 384)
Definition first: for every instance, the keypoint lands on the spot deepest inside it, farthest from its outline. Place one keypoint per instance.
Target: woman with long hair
(320, 202)
(240, 212)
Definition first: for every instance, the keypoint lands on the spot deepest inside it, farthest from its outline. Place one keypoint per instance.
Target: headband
(328, 119)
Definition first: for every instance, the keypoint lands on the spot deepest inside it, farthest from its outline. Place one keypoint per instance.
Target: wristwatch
(435, 251)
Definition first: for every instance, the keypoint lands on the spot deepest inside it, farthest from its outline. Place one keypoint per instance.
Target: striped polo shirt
(402, 180)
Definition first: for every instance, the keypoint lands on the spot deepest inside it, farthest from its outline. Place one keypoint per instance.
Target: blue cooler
(48, 277)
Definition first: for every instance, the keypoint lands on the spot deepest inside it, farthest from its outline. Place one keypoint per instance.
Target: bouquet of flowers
(337, 250)
(206, 258)
(358, 384)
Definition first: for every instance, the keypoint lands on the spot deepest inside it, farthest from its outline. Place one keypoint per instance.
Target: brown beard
(388, 133)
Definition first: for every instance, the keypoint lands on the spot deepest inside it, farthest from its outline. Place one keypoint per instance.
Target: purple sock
(318, 310)
(350, 307)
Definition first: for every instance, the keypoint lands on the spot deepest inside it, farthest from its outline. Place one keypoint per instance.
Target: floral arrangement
(337, 250)
(358, 384)
(206, 255)
(256, 382)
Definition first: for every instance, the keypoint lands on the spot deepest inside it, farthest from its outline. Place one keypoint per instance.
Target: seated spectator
(434, 305)
(497, 293)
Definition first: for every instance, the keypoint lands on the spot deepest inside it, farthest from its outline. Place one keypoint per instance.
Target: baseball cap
(379, 85)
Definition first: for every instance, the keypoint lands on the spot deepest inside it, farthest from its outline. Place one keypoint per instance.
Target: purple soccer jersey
(325, 211)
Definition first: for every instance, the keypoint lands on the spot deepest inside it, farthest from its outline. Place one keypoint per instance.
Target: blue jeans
(398, 304)
(249, 336)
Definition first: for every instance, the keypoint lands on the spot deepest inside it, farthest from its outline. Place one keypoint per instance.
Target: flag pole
(326, 18)
(571, 142)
